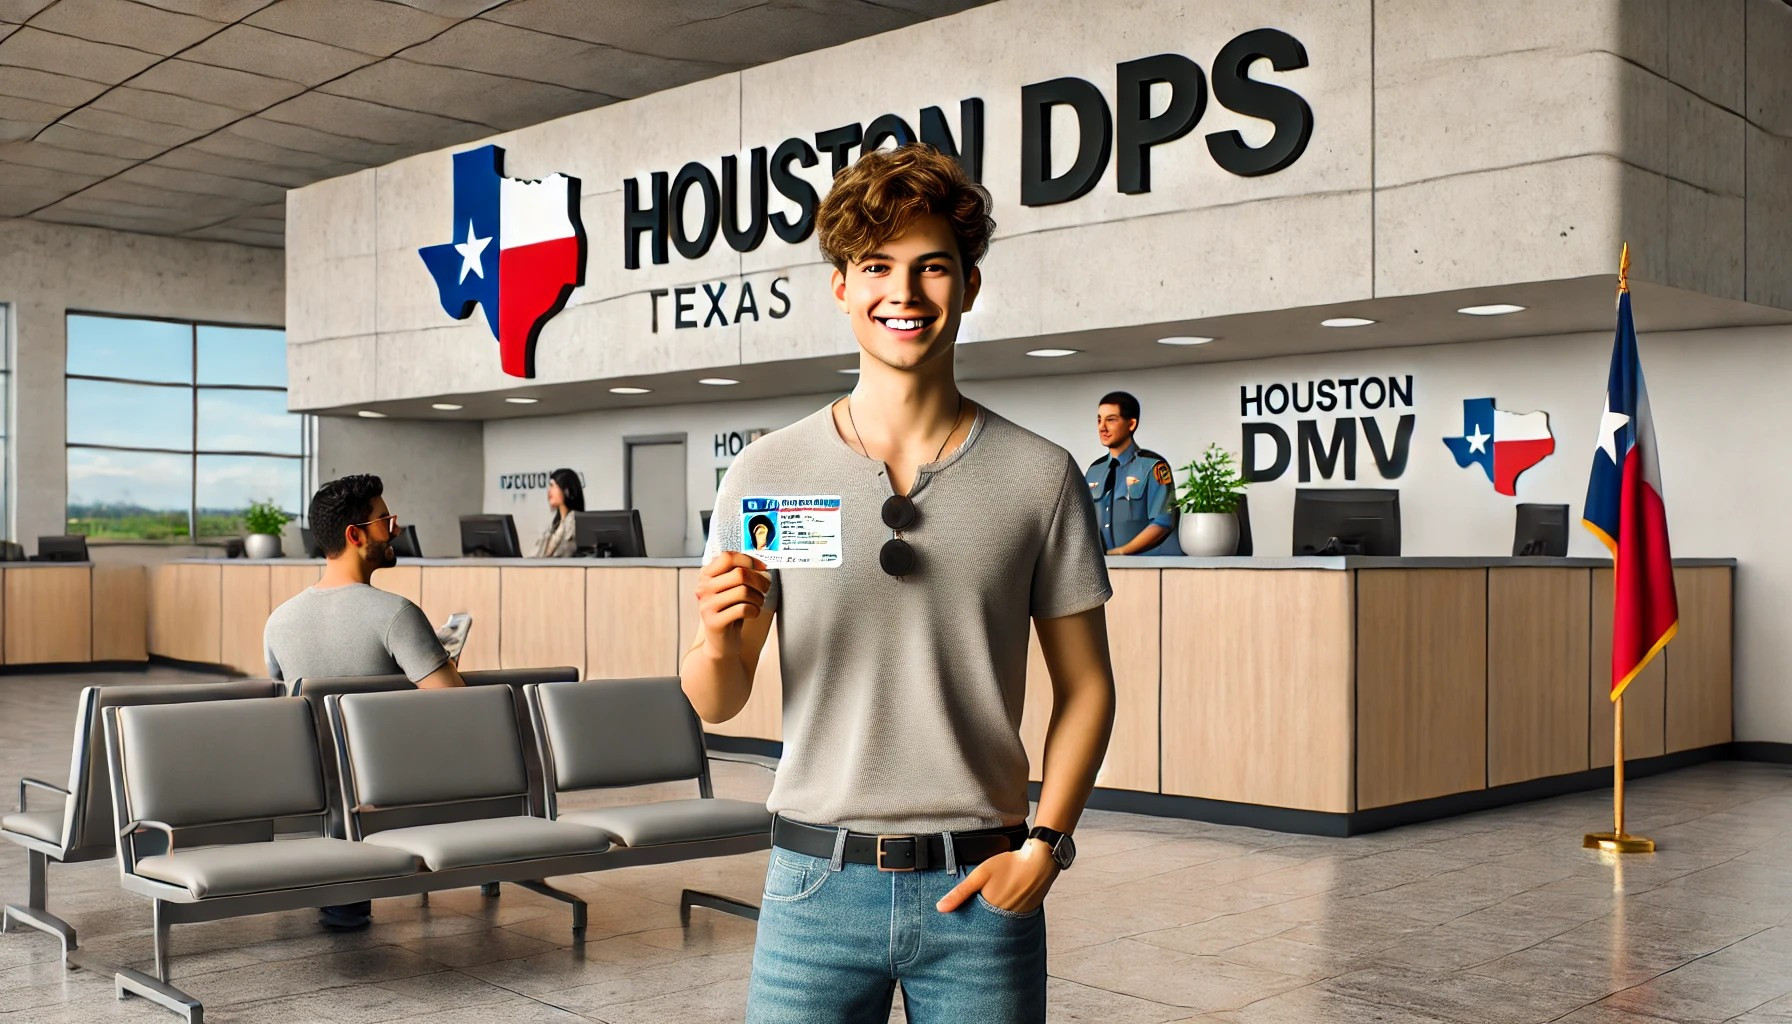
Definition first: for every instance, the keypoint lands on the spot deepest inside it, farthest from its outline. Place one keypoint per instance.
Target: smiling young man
(901, 853)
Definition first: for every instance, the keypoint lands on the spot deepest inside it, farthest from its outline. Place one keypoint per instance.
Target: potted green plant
(265, 521)
(1208, 501)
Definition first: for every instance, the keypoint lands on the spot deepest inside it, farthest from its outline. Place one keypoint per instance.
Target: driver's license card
(792, 531)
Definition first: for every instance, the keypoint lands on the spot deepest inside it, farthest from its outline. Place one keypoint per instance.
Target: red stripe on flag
(533, 280)
(1645, 611)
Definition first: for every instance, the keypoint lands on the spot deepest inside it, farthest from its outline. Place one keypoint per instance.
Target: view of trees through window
(174, 428)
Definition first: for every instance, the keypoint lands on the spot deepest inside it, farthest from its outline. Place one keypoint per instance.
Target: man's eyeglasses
(391, 522)
(897, 557)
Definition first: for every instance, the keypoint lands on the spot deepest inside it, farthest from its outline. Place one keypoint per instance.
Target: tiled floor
(1488, 919)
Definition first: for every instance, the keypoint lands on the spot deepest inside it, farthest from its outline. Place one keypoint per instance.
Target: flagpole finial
(1624, 269)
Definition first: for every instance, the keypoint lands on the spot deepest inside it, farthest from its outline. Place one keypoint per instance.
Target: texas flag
(1625, 510)
(518, 250)
(1503, 443)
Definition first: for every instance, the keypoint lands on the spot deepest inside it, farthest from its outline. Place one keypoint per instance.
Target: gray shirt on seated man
(344, 626)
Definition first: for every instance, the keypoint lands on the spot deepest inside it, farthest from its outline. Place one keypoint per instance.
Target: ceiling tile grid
(193, 117)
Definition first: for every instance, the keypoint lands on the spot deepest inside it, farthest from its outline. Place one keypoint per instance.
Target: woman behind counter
(565, 496)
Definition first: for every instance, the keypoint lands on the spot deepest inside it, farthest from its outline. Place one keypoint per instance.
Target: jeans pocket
(792, 876)
(1012, 915)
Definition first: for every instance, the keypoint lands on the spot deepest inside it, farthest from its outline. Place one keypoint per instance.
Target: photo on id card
(791, 531)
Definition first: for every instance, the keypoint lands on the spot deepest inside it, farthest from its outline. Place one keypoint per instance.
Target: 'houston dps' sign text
(730, 202)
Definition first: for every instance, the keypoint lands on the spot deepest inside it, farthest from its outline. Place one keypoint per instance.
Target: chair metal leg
(156, 989)
(721, 904)
(34, 914)
(489, 890)
(578, 905)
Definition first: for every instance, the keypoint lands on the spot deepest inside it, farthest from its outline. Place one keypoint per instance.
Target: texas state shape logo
(1504, 444)
(518, 249)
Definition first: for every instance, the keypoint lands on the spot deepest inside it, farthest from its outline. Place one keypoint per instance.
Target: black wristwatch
(1063, 847)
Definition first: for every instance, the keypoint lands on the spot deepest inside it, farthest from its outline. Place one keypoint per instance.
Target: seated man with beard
(344, 626)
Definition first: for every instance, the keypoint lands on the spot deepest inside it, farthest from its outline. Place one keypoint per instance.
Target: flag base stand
(1617, 842)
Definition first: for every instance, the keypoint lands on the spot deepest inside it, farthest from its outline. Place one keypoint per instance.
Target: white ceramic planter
(262, 545)
(1208, 534)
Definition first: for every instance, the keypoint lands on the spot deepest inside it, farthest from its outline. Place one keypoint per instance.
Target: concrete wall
(47, 270)
(1456, 145)
(431, 471)
(1710, 389)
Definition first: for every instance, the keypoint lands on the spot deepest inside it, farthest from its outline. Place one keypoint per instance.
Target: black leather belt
(897, 853)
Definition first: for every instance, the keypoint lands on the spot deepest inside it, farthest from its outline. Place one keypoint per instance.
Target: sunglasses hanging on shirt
(897, 557)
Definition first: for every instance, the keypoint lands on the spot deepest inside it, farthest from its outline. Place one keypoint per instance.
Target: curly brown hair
(885, 191)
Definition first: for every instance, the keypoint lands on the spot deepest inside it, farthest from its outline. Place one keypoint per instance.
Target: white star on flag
(1477, 441)
(1609, 424)
(470, 250)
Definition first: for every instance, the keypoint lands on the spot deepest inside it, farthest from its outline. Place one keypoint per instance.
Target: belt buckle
(914, 857)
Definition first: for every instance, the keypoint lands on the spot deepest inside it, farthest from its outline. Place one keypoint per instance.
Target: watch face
(1064, 852)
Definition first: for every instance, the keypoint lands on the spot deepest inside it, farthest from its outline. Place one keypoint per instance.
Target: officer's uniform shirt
(1143, 495)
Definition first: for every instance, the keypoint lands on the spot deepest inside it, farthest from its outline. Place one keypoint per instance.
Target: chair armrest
(140, 826)
(36, 784)
(770, 764)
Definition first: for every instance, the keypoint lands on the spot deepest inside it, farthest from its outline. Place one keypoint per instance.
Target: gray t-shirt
(902, 697)
(355, 630)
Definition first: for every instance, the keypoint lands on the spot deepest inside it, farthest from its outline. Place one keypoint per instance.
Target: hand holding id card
(792, 532)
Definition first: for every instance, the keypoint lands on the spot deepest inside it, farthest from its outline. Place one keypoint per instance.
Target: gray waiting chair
(199, 794)
(440, 773)
(78, 827)
(316, 689)
(615, 733)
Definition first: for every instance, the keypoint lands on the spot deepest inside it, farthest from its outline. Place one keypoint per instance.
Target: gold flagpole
(1616, 841)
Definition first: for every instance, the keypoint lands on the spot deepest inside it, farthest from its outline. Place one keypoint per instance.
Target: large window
(174, 428)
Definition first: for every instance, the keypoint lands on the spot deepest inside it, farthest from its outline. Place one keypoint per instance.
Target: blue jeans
(833, 945)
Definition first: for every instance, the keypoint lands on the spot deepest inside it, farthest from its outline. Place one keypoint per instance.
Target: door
(655, 485)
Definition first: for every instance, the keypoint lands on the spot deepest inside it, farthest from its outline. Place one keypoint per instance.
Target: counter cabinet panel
(1538, 637)
(1421, 684)
(543, 618)
(49, 615)
(184, 612)
(1257, 687)
(245, 597)
(1699, 666)
(631, 623)
(120, 613)
(476, 591)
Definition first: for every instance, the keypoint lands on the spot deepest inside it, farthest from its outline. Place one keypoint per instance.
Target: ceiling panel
(30, 47)
(48, 86)
(192, 117)
(125, 23)
(239, 90)
(380, 29)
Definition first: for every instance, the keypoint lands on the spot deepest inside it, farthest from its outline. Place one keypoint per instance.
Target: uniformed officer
(1133, 489)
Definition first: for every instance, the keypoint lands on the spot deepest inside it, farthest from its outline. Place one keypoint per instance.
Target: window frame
(193, 452)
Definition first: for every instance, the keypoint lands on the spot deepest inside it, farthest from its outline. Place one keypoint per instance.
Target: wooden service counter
(71, 613)
(1324, 695)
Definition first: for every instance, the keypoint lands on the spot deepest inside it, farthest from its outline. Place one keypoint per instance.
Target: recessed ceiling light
(630, 391)
(852, 370)
(1496, 309)
(447, 407)
(1184, 340)
(522, 401)
(369, 414)
(1053, 353)
(1345, 321)
(720, 382)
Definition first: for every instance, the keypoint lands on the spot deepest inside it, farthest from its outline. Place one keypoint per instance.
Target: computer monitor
(1242, 511)
(312, 548)
(1541, 530)
(490, 536)
(1362, 521)
(608, 534)
(405, 542)
(62, 549)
